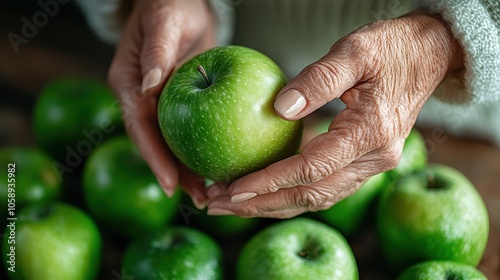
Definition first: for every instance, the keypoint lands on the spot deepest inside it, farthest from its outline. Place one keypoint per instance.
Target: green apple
(174, 253)
(348, 215)
(72, 116)
(29, 177)
(434, 213)
(414, 156)
(122, 192)
(217, 116)
(52, 241)
(441, 270)
(300, 248)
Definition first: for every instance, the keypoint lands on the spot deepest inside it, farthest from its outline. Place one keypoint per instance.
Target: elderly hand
(384, 73)
(158, 36)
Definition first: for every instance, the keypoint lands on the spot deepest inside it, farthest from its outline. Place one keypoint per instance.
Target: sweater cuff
(473, 24)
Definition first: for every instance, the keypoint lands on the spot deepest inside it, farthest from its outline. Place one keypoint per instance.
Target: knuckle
(391, 156)
(322, 71)
(355, 45)
(310, 199)
(314, 169)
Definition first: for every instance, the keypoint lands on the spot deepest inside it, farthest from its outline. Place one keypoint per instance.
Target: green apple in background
(348, 215)
(434, 213)
(53, 241)
(414, 156)
(441, 270)
(216, 114)
(300, 248)
(174, 253)
(122, 192)
(72, 116)
(33, 178)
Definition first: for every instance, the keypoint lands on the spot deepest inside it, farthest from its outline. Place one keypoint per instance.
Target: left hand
(384, 72)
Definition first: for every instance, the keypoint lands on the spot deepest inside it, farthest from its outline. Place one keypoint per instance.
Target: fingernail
(219, 212)
(290, 103)
(198, 204)
(151, 79)
(242, 197)
(168, 192)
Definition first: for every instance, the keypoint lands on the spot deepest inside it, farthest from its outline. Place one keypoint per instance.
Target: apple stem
(303, 254)
(431, 181)
(204, 75)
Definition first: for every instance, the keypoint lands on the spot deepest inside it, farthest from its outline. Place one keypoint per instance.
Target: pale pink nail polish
(290, 103)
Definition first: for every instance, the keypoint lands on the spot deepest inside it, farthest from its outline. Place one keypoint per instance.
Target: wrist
(435, 28)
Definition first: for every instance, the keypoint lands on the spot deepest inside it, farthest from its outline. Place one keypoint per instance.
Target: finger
(290, 202)
(318, 83)
(160, 47)
(217, 189)
(143, 129)
(220, 206)
(319, 159)
(139, 111)
(351, 137)
(193, 185)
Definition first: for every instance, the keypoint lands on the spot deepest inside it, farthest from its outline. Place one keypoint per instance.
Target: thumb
(318, 83)
(159, 51)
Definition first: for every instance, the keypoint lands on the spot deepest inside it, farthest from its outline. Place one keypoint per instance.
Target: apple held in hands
(216, 114)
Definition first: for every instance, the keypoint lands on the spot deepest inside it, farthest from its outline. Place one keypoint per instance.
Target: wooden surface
(67, 47)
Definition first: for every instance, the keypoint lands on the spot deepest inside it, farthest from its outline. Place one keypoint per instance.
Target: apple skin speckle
(230, 128)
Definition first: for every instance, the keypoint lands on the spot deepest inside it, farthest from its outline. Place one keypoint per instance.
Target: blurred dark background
(63, 46)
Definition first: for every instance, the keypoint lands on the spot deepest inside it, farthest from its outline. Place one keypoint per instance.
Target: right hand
(158, 36)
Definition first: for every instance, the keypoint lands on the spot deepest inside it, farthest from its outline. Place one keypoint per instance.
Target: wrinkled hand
(384, 73)
(158, 36)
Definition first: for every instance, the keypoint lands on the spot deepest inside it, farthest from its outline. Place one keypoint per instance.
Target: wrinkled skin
(384, 72)
(158, 36)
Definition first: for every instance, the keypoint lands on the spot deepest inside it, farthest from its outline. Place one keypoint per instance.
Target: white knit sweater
(297, 33)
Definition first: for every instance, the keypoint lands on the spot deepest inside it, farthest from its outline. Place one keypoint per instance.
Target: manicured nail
(168, 192)
(198, 204)
(219, 212)
(290, 103)
(242, 197)
(151, 79)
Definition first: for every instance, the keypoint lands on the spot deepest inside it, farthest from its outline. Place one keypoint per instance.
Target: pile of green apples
(87, 206)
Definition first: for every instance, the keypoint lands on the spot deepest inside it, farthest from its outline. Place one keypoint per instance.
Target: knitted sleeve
(106, 18)
(476, 24)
